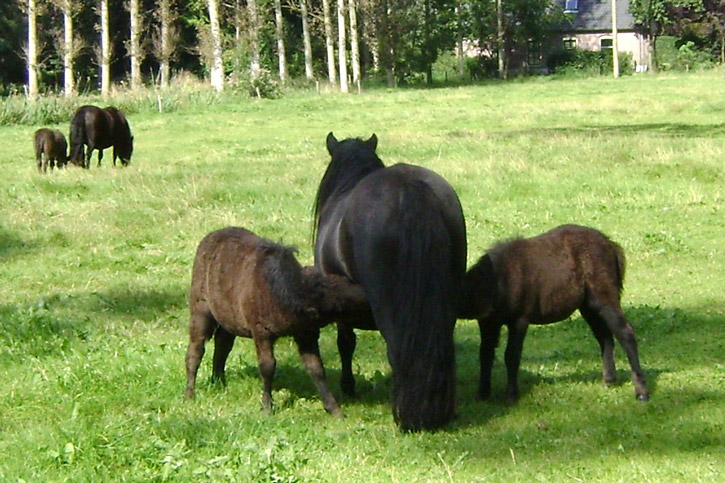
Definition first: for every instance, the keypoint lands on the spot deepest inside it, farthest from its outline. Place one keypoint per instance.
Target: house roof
(596, 15)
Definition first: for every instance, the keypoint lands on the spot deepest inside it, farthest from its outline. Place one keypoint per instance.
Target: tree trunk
(428, 48)
(255, 64)
(615, 42)
(387, 53)
(105, 51)
(459, 40)
(217, 69)
(331, 72)
(135, 44)
(341, 47)
(32, 51)
(68, 53)
(500, 40)
(166, 47)
(309, 73)
(354, 43)
(279, 23)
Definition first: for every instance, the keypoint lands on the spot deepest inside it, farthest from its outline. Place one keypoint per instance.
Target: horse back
(233, 281)
(547, 277)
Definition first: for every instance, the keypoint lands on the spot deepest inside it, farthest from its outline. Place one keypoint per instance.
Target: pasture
(95, 266)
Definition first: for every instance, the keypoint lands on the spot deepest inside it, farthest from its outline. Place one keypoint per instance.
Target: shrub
(587, 63)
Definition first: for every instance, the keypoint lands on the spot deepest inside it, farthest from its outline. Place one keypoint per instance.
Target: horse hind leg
(267, 364)
(606, 343)
(201, 328)
(624, 332)
(223, 343)
(346, 342)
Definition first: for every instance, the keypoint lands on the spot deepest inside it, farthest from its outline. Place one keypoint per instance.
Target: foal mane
(351, 161)
(287, 284)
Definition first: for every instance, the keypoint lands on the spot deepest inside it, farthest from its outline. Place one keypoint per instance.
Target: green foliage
(672, 54)
(577, 62)
(96, 264)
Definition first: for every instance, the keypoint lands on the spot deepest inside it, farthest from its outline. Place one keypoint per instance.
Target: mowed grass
(95, 265)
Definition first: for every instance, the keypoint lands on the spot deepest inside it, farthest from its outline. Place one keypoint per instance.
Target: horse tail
(621, 263)
(428, 280)
(39, 145)
(78, 137)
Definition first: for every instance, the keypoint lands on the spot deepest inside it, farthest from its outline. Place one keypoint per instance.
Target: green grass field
(95, 265)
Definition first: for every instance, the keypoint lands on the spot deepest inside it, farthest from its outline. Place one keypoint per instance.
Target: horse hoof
(643, 397)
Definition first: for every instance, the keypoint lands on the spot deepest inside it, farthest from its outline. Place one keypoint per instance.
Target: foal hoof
(643, 397)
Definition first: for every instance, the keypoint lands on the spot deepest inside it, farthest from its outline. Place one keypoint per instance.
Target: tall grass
(95, 266)
(183, 93)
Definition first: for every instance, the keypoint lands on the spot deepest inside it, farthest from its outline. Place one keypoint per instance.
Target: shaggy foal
(247, 286)
(50, 149)
(542, 280)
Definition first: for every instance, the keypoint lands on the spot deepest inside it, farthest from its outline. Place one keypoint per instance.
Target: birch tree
(136, 26)
(105, 54)
(306, 40)
(216, 71)
(255, 64)
(354, 43)
(32, 53)
(331, 72)
(279, 24)
(341, 45)
(67, 46)
(165, 39)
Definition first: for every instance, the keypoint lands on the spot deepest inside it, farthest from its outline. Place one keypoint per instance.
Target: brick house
(589, 27)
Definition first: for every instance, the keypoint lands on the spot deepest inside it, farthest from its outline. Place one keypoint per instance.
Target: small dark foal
(246, 286)
(50, 149)
(542, 280)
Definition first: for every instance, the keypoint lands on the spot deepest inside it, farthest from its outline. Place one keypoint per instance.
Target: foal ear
(331, 143)
(372, 143)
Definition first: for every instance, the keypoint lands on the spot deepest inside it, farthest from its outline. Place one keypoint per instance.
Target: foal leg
(490, 332)
(201, 327)
(223, 343)
(309, 349)
(346, 341)
(512, 356)
(267, 365)
(624, 332)
(606, 343)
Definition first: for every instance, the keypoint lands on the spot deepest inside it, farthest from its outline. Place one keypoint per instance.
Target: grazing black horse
(399, 232)
(99, 129)
(51, 148)
(542, 280)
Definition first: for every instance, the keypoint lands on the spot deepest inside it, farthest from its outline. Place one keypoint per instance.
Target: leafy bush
(674, 53)
(587, 63)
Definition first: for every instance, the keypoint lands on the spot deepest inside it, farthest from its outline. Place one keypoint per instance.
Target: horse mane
(287, 284)
(351, 161)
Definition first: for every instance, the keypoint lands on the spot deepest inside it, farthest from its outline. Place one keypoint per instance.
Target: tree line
(89, 45)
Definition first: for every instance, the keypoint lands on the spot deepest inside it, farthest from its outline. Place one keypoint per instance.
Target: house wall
(627, 42)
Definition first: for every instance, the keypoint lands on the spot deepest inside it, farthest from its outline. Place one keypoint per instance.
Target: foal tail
(429, 277)
(78, 137)
(621, 263)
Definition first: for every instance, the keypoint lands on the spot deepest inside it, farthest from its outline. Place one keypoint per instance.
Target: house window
(571, 5)
(606, 43)
(533, 53)
(569, 43)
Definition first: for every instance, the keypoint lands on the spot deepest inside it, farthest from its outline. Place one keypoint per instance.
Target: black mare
(399, 232)
(99, 129)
